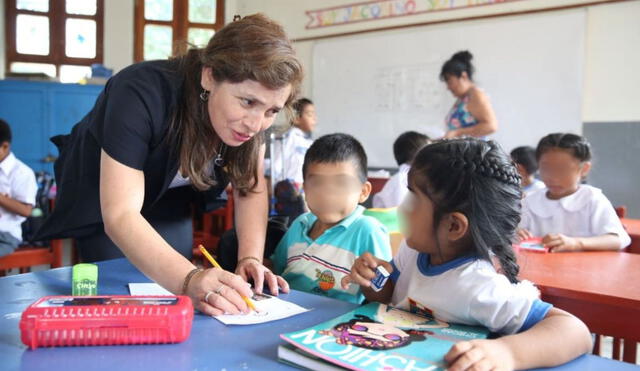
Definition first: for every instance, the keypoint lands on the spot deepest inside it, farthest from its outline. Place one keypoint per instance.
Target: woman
(164, 133)
(471, 114)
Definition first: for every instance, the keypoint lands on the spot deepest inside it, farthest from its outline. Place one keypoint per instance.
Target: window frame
(57, 23)
(180, 25)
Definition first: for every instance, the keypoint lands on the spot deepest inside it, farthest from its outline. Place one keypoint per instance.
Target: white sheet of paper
(147, 289)
(270, 309)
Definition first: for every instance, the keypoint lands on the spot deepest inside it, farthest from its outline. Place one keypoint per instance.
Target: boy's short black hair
(407, 145)
(300, 104)
(334, 148)
(525, 156)
(5, 132)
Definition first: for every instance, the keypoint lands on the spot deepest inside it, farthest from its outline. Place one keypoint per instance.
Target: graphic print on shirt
(325, 279)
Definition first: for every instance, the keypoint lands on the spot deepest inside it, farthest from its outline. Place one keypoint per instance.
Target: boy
(17, 193)
(525, 159)
(320, 246)
(294, 144)
(404, 148)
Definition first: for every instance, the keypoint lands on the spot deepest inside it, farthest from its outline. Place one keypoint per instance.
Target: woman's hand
(364, 270)
(451, 134)
(215, 292)
(253, 269)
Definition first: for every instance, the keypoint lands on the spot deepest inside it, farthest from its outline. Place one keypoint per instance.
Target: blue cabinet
(37, 111)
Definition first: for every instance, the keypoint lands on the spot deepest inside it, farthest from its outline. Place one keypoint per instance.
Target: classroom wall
(610, 100)
(118, 33)
(613, 30)
(613, 63)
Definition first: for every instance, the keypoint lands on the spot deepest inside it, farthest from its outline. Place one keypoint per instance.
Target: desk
(633, 228)
(601, 288)
(211, 345)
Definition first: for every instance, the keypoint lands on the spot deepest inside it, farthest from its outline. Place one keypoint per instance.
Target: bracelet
(188, 278)
(249, 258)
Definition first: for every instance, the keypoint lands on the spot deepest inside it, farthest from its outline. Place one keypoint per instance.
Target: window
(163, 26)
(60, 38)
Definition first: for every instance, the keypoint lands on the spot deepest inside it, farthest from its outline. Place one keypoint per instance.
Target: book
(376, 337)
(296, 357)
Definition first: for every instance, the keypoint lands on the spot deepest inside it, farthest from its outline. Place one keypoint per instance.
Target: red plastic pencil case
(106, 320)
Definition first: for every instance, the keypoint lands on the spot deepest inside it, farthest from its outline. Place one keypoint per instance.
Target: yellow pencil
(215, 264)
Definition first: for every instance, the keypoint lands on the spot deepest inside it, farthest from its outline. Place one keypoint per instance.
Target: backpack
(41, 210)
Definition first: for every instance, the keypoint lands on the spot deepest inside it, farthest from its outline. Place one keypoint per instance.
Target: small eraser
(377, 283)
(84, 280)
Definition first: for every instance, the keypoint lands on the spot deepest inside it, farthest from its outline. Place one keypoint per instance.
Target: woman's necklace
(219, 160)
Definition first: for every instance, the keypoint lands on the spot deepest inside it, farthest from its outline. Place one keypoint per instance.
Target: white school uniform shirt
(288, 155)
(585, 213)
(534, 186)
(394, 189)
(466, 290)
(19, 182)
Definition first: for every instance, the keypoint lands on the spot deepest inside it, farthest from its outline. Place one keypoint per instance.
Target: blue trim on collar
(425, 267)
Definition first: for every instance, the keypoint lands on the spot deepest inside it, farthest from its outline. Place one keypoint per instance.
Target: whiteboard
(378, 85)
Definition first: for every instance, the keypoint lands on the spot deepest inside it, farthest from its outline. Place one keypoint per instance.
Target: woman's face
(238, 111)
(458, 86)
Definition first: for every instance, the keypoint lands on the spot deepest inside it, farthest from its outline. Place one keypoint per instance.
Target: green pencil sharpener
(85, 280)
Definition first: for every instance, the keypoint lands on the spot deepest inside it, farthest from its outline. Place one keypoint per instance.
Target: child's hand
(363, 270)
(524, 234)
(559, 242)
(480, 355)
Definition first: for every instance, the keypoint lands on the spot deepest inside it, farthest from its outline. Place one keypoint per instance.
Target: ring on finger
(206, 297)
(219, 289)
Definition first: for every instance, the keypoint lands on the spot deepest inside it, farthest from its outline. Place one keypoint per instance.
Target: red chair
(621, 211)
(627, 346)
(622, 350)
(28, 256)
(209, 227)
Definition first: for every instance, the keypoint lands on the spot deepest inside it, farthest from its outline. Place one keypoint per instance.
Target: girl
(568, 215)
(463, 206)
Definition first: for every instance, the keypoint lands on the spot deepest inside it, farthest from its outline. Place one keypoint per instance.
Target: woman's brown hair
(252, 48)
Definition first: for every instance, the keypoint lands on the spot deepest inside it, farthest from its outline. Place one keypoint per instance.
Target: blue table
(211, 345)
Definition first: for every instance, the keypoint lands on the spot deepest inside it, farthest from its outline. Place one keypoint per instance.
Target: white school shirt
(288, 155)
(466, 290)
(19, 182)
(534, 186)
(585, 213)
(394, 189)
